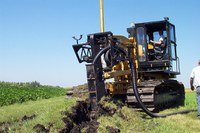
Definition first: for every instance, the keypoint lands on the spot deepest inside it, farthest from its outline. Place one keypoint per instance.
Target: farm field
(11, 93)
(49, 113)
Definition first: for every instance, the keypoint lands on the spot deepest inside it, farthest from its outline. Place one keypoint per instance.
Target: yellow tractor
(132, 68)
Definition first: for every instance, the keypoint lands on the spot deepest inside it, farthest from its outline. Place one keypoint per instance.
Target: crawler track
(157, 95)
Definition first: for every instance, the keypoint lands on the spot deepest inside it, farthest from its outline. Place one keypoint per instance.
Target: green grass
(45, 111)
(126, 119)
(129, 121)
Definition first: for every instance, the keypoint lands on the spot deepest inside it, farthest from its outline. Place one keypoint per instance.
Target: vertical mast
(101, 16)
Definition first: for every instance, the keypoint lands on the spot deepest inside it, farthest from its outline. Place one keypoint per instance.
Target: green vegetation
(49, 112)
(11, 93)
(43, 112)
(128, 120)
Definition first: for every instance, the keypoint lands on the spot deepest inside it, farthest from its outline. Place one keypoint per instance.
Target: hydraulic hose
(104, 50)
(134, 85)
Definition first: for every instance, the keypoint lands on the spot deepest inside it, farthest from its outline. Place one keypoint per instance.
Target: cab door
(174, 60)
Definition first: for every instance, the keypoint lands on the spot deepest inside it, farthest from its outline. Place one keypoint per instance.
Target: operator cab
(154, 58)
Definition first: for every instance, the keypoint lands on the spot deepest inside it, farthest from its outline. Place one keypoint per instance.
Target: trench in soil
(82, 119)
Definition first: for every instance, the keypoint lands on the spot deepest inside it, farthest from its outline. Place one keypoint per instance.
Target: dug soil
(82, 119)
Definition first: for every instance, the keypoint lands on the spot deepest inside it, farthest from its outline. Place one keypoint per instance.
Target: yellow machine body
(121, 74)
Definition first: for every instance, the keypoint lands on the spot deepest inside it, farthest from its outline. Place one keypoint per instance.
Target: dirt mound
(39, 128)
(112, 129)
(79, 119)
(5, 126)
(80, 91)
(25, 117)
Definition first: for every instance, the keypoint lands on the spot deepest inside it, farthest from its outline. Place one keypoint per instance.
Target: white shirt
(161, 38)
(196, 76)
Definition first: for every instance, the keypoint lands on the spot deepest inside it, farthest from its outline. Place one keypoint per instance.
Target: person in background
(195, 84)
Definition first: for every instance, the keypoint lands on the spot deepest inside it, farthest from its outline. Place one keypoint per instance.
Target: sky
(36, 35)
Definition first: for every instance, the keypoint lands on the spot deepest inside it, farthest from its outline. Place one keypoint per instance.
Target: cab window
(141, 44)
(172, 35)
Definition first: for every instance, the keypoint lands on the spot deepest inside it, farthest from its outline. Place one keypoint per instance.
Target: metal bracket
(77, 39)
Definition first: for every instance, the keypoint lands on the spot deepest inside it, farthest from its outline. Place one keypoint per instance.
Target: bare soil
(79, 119)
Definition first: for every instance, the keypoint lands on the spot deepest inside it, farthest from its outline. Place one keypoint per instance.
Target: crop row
(10, 94)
